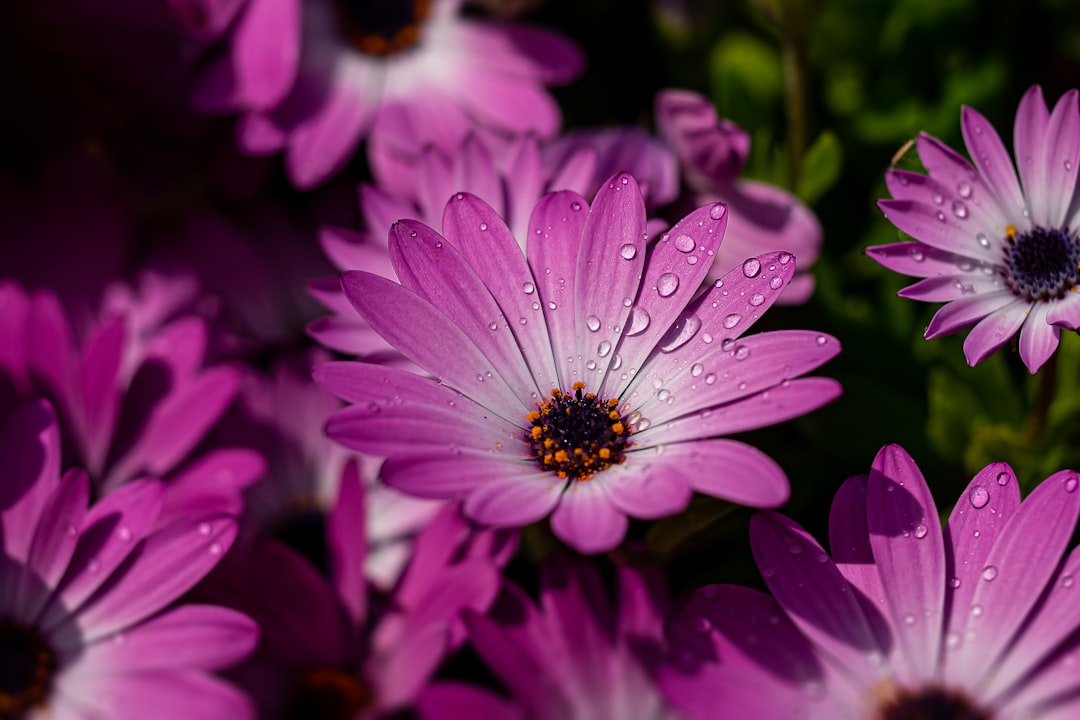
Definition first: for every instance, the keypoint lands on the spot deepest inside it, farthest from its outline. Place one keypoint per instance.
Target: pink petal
(346, 541)
(30, 457)
(963, 181)
(994, 330)
(587, 519)
(909, 551)
(1065, 313)
(1029, 141)
(54, 539)
(266, 51)
(946, 288)
(100, 376)
(917, 259)
(439, 120)
(553, 246)
(816, 597)
(959, 314)
(993, 163)
(212, 484)
(449, 473)
(163, 695)
(649, 487)
(987, 220)
(940, 228)
(532, 52)
(514, 501)
(399, 677)
(474, 173)
(1038, 338)
(1061, 159)
(522, 162)
(507, 103)
(726, 469)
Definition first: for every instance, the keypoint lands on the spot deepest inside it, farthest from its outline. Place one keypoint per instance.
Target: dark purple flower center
(932, 702)
(27, 666)
(1041, 264)
(576, 434)
(382, 27)
(329, 693)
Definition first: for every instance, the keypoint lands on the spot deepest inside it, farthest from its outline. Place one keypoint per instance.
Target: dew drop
(591, 365)
(680, 333)
(710, 379)
(70, 530)
(691, 259)
(493, 325)
(919, 532)
(954, 583)
(756, 299)
(528, 288)
(982, 240)
(592, 322)
(917, 254)
(667, 284)
(959, 209)
(1070, 484)
(776, 282)
(976, 610)
(575, 206)
(732, 320)
(483, 227)
(964, 189)
(716, 211)
(638, 321)
(124, 533)
(522, 321)
(978, 497)
(215, 548)
(751, 268)
(663, 395)
(821, 340)
(94, 565)
(909, 619)
(701, 625)
(552, 305)
(706, 338)
(989, 573)
(784, 258)
(204, 529)
(616, 359)
(628, 252)
(767, 572)
(952, 640)
(1003, 478)
(685, 243)
(696, 369)
(938, 198)
(1068, 166)
(940, 216)
(1067, 581)
(603, 348)
(742, 352)
(795, 547)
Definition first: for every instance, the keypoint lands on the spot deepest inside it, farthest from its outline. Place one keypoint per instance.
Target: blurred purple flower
(905, 619)
(761, 217)
(1001, 258)
(130, 388)
(569, 380)
(325, 650)
(86, 627)
(510, 176)
(574, 658)
(314, 78)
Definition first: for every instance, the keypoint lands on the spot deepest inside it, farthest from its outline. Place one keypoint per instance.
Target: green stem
(794, 62)
(1044, 396)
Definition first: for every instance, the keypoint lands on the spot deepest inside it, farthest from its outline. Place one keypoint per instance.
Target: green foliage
(820, 167)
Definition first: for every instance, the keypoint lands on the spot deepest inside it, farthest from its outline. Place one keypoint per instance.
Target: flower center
(382, 27)
(1041, 264)
(575, 434)
(27, 666)
(330, 693)
(932, 702)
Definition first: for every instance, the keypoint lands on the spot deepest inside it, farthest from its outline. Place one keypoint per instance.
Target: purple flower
(905, 619)
(316, 77)
(130, 388)
(761, 217)
(1003, 255)
(326, 648)
(569, 380)
(574, 658)
(86, 627)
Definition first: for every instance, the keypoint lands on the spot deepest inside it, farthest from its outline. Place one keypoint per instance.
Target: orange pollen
(575, 434)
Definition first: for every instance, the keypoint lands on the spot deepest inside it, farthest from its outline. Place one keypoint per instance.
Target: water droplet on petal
(575, 206)
(756, 299)
(776, 282)
(685, 243)
(493, 325)
(982, 240)
(821, 340)
(938, 198)
(751, 268)
(959, 209)
(204, 529)
(710, 379)
(94, 565)
(920, 532)
(742, 352)
(978, 497)
(732, 320)
(680, 333)
(603, 348)
(976, 610)
(1003, 478)
(592, 322)
(70, 530)
(954, 583)
(784, 258)
(917, 254)
(795, 547)
(989, 572)
(628, 252)
(1070, 484)
(909, 619)
(1068, 166)
(697, 369)
(215, 548)
(716, 211)
(701, 625)
(667, 284)
(638, 321)
(528, 288)
(1066, 581)
(964, 189)
(940, 216)
(483, 227)
(124, 533)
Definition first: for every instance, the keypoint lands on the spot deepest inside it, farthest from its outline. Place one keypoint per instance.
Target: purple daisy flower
(576, 657)
(327, 649)
(570, 379)
(761, 216)
(86, 627)
(905, 619)
(316, 77)
(1004, 255)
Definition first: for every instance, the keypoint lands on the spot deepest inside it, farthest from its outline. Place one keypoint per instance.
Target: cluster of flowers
(518, 334)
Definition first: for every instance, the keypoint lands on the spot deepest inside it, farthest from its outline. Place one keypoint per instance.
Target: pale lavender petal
(1018, 567)
(587, 519)
(431, 340)
(918, 260)
(190, 636)
(815, 595)
(1065, 313)
(1029, 141)
(909, 550)
(346, 540)
(365, 382)
(449, 700)
(749, 476)
(670, 281)
(946, 288)
(995, 330)
(523, 162)
(439, 120)
(521, 107)
(514, 501)
(576, 172)
(266, 50)
(1038, 338)
(609, 268)
(959, 314)
(1061, 159)
(449, 473)
(779, 403)
(938, 228)
(488, 247)
(965, 183)
(474, 173)
(986, 220)
(712, 151)
(993, 163)
(552, 251)
(30, 456)
(649, 487)
(356, 251)
(989, 500)
(162, 694)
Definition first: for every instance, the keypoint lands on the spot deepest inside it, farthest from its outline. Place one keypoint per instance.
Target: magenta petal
(587, 519)
(30, 457)
(431, 340)
(910, 555)
(993, 163)
(1038, 339)
(1065, 313)
(100, 375)
(609, 270)
(1029, 137)
(449, 473)
(1024, 557)
(162, 695)
(521, 106)
(994, 330)
(190, 636)
(266, 49)
(849, 539)
(554, 58)
(346, 540)
(726, 469)
(467, 585)
(399, 677)
(514, 501)
(817, 598)
(212, 484)
(712, 151)
(55, 537)
(554, 245)
(488, 247)
(170, 563)
(448, 700)
(946, 288)
(649, 487)
(572, 597)
(963, 181)
(522, 158)
(959, 314)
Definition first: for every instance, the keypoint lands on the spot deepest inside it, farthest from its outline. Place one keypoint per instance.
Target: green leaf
(820, 167)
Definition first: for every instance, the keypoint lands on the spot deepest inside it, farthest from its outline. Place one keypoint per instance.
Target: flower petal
(1038, 338)
(1061, 159)
(1029, 141)
(30, 456)
(514, 501)
(939, 228)
(727, 469)
(587, 519)
(959, 314)
(1065, 313)
(450, 700)
(994, 330)
(648, 487)
(346, 540)
(993, 163)
(919, 260)
(964, 182)
(449, 472)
